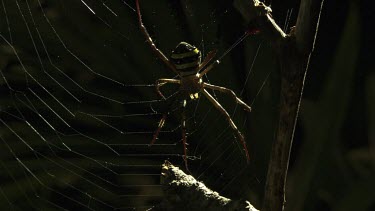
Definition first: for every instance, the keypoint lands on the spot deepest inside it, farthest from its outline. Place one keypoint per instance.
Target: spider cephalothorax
(186, 62)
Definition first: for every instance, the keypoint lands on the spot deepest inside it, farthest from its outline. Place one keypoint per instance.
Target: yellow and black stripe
(186, 58)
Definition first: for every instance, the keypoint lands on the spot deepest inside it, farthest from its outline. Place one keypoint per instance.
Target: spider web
(79, 106)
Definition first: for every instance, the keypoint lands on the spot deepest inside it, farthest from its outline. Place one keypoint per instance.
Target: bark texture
(294, 51)
(184, 192)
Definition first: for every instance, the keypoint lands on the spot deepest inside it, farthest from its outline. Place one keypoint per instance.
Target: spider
(185, 61)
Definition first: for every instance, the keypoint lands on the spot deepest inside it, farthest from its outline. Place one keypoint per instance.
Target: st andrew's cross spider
(186, 62)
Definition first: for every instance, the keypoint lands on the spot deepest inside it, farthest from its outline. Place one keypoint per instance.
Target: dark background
(332, 161)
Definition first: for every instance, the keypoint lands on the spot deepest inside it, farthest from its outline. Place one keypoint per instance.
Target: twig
(294, 51)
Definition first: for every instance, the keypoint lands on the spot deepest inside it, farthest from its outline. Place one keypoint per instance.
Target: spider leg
(230, 92)
(183, 131)
(225, 113)
(207, 59)
(163, 119)
(205, 71)
(158, 52)
(157, 131)
(163, 81)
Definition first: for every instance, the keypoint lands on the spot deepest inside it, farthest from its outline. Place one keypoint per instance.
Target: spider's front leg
(230, 92)
(162, 82)
(230, 121)
(183, 132)
(183, 129)
(157, 131)
(158, 84)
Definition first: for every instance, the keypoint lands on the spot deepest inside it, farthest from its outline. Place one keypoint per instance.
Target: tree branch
(183, 192)
(294, 51)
